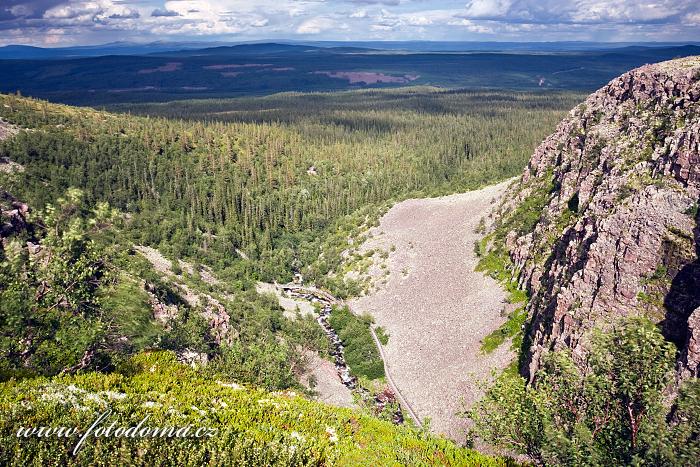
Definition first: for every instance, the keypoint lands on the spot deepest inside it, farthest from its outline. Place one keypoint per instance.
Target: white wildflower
(229, 385)
(94, 398)
(268, 402)
(332, 436)
(113, 395)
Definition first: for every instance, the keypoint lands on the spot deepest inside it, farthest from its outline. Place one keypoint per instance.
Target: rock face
(619, 232)
(13, 216)
(211, 309)
(6, 165)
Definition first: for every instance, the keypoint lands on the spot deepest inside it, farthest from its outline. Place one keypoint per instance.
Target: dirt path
(435, 308)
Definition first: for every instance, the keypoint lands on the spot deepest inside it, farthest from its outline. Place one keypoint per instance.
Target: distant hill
(19, 52)
(165, 72)
(245, 49)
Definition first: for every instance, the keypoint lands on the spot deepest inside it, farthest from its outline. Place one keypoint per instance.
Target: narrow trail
(435, 308)
(402, 400)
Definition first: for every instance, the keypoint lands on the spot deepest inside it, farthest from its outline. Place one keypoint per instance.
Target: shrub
(608, 411)
(382, 335)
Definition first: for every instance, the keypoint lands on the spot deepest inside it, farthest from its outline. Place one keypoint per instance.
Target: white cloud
(471, 26)
(630, 11)
(692, 19)
(75, 10)
(296, 11)
(96, 21)
(21, 10)
(418, 20)
(359, 14)
(88, 13)
(121, 12)
(575, 11)
(315, 25)
(488, 8)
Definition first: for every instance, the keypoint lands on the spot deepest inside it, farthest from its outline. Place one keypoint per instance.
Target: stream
(350, 381)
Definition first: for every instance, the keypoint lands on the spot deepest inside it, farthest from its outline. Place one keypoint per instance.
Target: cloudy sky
(73, 22)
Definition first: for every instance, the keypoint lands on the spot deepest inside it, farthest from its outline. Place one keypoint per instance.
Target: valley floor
(435, 307)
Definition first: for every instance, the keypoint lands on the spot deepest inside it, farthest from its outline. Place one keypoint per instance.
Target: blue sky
(72, 22)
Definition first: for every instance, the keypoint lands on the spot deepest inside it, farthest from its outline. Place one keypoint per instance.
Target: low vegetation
(494, 258)
(382, 335)
(511, 329)
(248, 426)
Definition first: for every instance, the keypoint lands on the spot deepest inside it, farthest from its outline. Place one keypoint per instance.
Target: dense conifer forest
(271, 177)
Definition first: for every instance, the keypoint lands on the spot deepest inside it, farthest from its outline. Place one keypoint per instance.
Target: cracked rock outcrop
(13, 216)
(618, 233)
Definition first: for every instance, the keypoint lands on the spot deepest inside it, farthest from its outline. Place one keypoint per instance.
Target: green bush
(606, 411)
(382, 335)
(51, 317)
(512, 328)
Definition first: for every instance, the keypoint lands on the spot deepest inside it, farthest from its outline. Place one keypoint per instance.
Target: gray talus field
(434, 306)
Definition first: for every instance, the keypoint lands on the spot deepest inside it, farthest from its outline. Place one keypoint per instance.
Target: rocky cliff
(604, 221)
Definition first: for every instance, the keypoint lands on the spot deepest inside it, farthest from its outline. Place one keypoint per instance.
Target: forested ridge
(267, 185)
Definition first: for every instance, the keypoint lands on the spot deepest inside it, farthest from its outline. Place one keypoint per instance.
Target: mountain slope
(604, 221)
(84, 320)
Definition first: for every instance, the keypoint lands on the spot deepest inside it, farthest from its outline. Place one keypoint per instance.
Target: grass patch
(494, 259)
(511, 328)
(382, 335)
(252, 427)
(527, 214)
